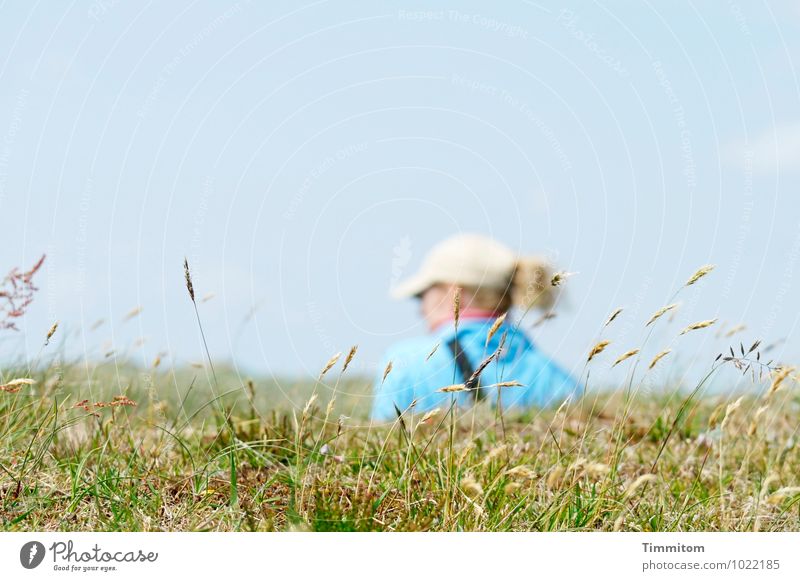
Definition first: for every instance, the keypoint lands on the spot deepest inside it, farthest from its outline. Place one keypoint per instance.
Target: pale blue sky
(303, 156)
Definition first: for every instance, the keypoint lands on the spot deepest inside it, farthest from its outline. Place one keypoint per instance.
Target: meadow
(117, 447)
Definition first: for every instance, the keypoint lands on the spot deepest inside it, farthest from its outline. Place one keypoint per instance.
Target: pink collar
(466, 315)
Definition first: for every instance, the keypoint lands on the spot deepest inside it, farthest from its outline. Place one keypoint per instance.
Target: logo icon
(31, 554)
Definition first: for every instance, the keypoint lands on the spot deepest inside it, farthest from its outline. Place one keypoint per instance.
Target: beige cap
(467, 259)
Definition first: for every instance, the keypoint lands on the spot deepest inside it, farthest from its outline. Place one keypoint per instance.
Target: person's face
(436, 304)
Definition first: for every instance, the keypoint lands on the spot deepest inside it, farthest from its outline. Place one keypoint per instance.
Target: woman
(488, 280)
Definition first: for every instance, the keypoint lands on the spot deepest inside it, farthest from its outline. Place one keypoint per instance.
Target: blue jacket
(413, 376)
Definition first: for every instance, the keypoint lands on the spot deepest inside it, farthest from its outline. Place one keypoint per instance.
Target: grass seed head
(559, 277)
(730, 410)
(782, 494)
(429, 415)
(659, 313)
(453, 388)
(734, 330)
(15, 385)
(471, 487)
(50, 333)
(522, 472)
(494, 453)
(598, 349)
(457, 305)
(133, 313)
(756, 420)
(596, 469)
(781, 373)
(624, 356)
(188, 276)
(498, 322)
(386, 371)
(701, 272)
(309, 405)
(698, 325)
(768, 482)
(331, 362)
(506, 384)
(638, 483)
(659, 356)
(555, 476)
(612, 316)
(349, 358)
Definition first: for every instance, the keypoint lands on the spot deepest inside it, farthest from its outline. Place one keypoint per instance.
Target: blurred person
(490, 281)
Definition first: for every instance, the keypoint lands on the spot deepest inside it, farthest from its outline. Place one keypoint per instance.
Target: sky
(304, 157)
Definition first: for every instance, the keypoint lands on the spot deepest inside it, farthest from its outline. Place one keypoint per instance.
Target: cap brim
(411, 287)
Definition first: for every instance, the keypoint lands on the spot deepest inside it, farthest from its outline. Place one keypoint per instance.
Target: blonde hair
(528, 288)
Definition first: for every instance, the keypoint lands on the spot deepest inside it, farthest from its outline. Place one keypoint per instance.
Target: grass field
(112, 447)
(182, 460)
